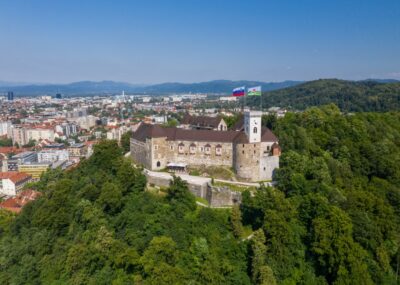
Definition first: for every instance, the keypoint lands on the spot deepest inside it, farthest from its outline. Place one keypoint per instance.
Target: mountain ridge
(113, 87)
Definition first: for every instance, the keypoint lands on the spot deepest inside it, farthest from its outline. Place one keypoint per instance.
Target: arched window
(218, 150)
(181, 148)
(158, 164)
(207, 149)
(192, 148)
(255, 130)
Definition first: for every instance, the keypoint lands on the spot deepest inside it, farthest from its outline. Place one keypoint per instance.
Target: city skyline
(154, 41)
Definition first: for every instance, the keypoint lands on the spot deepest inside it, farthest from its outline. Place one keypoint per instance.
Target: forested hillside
(349, 96)
(333, 218)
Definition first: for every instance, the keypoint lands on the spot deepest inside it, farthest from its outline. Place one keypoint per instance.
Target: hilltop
(349, 96)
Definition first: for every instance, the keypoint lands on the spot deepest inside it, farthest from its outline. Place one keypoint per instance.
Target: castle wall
(268, 164)
(171, 151)
(247, 161)
(141, 152)
(161, 153)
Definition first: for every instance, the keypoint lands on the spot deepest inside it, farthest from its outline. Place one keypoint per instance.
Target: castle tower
(252, 126)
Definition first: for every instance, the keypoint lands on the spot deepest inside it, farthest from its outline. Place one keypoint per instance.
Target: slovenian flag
(254, 91)
(238, 91)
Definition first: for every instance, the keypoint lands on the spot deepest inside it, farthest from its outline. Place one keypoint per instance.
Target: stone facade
(253, 153)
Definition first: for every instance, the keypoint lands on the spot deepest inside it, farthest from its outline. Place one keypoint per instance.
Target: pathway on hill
(251, 184)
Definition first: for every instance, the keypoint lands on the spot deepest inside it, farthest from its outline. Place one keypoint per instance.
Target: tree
(110, 199)
(179, 194)
(236, 221)
(126, 141)
(261, 273)
(159, 262)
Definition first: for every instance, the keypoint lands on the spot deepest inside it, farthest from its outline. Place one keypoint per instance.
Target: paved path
(251, 184)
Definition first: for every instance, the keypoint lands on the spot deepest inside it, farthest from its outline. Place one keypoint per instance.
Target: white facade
(7, 187)
(228, 99)
(4, 128)
(18, 135)
(86, 122)
(252, 125)
(52, 155)
(40, 134)
(116, 134)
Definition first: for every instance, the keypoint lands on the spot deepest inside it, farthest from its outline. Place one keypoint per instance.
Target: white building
(38, 134)
(53, 155)
(116, 133)
(68, 129)
(18, 135)
(4, 128)
(227, 99)
(12, 182)
(86, 122)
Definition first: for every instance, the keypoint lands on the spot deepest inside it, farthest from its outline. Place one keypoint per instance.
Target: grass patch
(202, 200)
(233, 187)
(218, 172)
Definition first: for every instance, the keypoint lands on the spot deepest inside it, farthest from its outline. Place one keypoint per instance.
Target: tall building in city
(10, 96)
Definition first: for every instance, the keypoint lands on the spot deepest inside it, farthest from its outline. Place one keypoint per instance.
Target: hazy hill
(216, 86)
(112, 87)
(347, 95)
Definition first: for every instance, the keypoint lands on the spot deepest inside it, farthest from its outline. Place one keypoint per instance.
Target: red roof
(14, 176)
(15, 204)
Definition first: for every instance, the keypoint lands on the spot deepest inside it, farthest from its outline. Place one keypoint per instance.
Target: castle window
(254, 152)
(255, 130)
(207, 148)
(192, 148)
(155, 147)
(242, 145)
(218, 150)
(267, 147)
(181, 148)
(242, 151)
(158, 164)
(264, 168)
(202, 149)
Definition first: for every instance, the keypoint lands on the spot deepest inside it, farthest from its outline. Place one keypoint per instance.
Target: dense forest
(333, 218)
(349, 96)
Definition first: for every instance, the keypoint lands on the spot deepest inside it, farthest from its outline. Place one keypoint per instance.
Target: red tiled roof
(15, 176)
(15, 204)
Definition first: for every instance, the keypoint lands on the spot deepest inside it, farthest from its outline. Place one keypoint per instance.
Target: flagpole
(244, 98)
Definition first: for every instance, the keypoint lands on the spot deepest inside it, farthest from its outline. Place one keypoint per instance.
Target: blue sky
(190, 41)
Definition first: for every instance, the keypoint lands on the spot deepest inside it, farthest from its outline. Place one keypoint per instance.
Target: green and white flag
(254, 91)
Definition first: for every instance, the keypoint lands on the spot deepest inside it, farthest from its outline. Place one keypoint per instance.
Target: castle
(252, 150)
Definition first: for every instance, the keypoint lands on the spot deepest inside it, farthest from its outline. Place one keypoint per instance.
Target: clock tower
(252, 126)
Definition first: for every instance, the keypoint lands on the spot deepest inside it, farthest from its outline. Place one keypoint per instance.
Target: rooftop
(14, 176)
(146, 131)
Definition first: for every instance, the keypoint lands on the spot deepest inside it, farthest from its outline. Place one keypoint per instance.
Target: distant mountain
(81, 87)
(349, 96)
(112, 87)
(216, 86)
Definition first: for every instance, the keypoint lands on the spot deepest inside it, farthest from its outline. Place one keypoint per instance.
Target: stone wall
(222, 196)
(141, 152)
(267, 167)
(200, 187)
(247, 161)
(191, 153)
